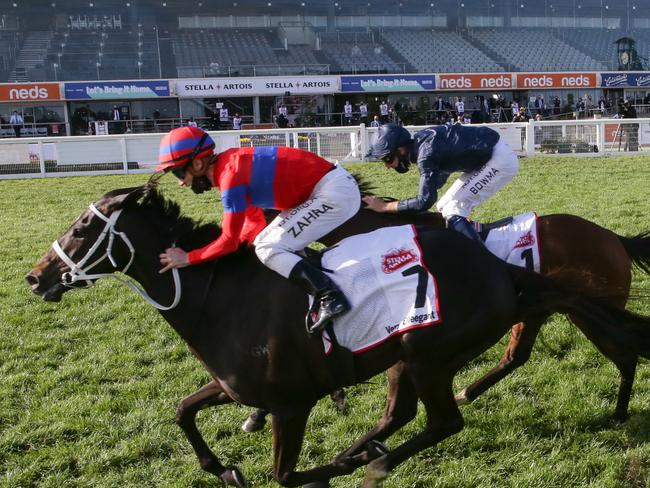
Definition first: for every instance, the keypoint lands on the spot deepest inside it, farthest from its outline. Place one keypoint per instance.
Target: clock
(624, 57)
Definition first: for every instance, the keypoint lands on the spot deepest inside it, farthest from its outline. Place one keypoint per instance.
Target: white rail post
(296, 143)
(530, 138)
(364, 141)
(41, 158)
(125, 160)
(600, 135)
(353, 144)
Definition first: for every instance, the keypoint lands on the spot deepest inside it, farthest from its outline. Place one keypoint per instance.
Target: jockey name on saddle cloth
(389, 288)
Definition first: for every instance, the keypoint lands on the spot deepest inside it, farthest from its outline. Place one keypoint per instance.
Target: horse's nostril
(31, 279)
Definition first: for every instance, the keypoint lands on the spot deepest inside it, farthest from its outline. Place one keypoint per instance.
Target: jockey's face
(198, 175)
(399, 161)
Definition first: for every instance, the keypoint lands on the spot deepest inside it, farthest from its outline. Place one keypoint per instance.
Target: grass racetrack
(89, 386)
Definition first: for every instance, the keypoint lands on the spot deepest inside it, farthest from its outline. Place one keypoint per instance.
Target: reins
(79, 271)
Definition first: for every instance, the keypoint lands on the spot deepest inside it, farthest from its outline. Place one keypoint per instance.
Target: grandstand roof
(585, 8)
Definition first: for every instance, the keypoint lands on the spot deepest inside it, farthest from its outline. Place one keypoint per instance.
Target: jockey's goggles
(180, 171)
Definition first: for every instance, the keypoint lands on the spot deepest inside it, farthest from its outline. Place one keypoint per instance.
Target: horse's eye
(77, 232)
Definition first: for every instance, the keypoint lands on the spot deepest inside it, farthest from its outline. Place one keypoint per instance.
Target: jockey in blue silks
(486, 161)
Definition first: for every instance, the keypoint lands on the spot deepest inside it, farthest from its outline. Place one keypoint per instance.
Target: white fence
(138, 153)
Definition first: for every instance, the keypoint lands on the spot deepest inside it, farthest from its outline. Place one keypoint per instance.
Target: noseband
(79, 271)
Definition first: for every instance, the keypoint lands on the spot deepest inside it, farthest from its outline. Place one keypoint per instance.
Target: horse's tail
(638, 250)
(540, 297)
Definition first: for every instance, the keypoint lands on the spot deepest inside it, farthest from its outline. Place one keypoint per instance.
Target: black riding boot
(462, 225)
(329, 299)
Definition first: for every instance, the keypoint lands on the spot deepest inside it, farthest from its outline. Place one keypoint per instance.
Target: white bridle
(79, 271)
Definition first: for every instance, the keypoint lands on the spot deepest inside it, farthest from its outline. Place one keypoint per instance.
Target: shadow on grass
(637, 428)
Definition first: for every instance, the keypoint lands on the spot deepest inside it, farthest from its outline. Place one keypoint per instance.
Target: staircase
(496, 57)
(32, 53)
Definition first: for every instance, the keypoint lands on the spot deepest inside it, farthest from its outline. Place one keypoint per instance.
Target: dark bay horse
(575, 251)
(254, 345)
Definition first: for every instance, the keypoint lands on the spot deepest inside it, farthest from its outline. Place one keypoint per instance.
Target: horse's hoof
(339, 399)
(621, 417)
(233, 477)
(375, 474)
(376, 449)
(461, 398)
(317, 484)
(251, 425)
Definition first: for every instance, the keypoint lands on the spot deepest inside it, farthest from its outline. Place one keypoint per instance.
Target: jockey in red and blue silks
(313, 195)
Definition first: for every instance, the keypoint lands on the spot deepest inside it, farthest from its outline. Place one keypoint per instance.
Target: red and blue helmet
(182, 145)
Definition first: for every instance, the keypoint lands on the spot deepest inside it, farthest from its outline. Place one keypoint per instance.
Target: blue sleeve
(429, 175)
(234, 199)
(427, 195)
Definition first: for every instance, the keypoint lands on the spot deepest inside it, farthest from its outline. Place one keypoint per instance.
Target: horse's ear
(115, 201)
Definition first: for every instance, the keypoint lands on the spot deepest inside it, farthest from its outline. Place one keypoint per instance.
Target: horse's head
(91, 248)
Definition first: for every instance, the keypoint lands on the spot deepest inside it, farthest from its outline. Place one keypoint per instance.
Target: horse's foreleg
(401, 408)
(443, 420)
(288, 433)
(627, 368)
(257, 420)
(522, 339)
(207, 396)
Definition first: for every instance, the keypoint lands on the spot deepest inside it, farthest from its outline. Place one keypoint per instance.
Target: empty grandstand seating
(535, 50)
(297, 55)
(117, 52)
(88, 47)
(439, 50)
(220, 49)
(353, 52)
(600, 43)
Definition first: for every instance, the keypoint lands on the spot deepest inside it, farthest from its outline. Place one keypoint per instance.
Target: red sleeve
(255, 223)
(226, 243)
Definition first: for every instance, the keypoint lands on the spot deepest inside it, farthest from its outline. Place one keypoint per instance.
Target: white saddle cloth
(390, 290)
(517, 242)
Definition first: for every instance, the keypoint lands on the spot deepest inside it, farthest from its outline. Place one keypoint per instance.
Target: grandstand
(97, 54)
(221, 49)
(430, 51)
(535, 50)
(358, 52)
(111, 39)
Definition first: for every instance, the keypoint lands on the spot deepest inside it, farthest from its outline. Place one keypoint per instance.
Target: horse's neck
(214, 297)
(193, 283)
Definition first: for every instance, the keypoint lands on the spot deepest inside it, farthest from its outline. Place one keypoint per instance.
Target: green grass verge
(88, 387)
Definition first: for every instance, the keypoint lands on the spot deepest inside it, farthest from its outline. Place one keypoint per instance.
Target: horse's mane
(365, 187)
(166, 214)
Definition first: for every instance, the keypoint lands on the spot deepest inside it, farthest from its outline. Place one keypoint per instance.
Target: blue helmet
(389, 138)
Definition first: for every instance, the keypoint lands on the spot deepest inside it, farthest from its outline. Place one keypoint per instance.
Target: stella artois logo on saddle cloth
(517, 242)
(396, 259)
(525, 240)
